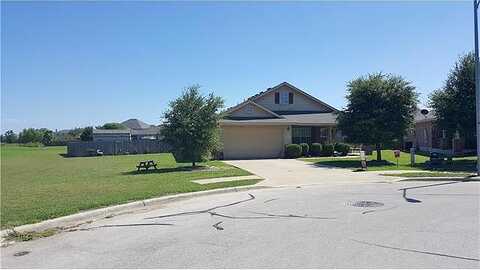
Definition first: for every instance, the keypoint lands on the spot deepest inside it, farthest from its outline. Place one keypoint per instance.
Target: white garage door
(252, 142)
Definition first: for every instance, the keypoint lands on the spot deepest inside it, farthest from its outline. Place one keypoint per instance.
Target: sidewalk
(107, 212)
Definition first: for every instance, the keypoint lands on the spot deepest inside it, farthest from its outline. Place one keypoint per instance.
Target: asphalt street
(369, 225)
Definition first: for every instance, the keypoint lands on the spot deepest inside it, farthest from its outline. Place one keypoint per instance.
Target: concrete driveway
(317, 226)
(292, 172)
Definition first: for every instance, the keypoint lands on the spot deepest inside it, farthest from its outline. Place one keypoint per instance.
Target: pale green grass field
(37, 183)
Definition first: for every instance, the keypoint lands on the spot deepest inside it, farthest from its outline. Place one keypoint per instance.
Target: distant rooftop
(111, 131)
(419, 117)
(136, 124)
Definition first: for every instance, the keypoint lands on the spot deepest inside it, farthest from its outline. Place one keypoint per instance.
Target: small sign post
(412, 156)
(363, 160)
(397, 155)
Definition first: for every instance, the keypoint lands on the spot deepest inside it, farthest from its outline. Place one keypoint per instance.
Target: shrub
(305, 149)
(293, 151)
(327, 150)
(342, 148)
(316, 149)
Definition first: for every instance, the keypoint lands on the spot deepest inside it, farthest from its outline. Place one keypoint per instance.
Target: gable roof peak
(134, 123)
(295, 89)
(270, 89)
(241, 105)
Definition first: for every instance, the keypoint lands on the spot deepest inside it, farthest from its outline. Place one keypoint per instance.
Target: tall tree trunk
(193, 163)
(379, 151)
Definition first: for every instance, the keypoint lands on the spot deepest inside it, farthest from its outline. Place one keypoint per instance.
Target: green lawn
(389, 162)
(39, 184)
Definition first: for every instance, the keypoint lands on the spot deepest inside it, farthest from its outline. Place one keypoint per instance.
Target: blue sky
(68, 64)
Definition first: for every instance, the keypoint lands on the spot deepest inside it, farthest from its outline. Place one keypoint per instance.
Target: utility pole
(477, 81)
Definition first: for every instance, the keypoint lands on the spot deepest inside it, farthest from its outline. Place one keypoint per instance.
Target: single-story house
(111, 135)
(262, 125)
(134, 130)
(428, 137)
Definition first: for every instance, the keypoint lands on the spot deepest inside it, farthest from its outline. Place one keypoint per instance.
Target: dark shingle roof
(252, 98)
(135, 124)
(292, 119)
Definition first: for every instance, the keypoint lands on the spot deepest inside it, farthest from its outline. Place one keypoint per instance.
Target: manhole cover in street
(365, 204)
(21, 253)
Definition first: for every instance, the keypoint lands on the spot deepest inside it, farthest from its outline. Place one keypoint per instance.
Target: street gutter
(107, 212)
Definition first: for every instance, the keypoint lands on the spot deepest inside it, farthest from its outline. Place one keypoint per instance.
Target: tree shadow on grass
(353, 164)
(453, 166)
(168, 170)
(461, 165)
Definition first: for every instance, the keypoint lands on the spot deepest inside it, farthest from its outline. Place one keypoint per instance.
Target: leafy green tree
(74, 133)
(454, 103)
(10, 137)
(62, 137)
(87, 134)
(47, 137)
(191, 125)
(29, 135)
(112, 126)
(380, 109)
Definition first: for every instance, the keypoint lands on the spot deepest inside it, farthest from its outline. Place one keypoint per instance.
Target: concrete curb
(438, 178)
(90, 215)
(451, 178)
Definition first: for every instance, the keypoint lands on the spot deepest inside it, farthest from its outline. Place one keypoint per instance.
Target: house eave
(272, 123)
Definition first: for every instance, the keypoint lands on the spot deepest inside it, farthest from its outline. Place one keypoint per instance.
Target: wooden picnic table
(147, 164)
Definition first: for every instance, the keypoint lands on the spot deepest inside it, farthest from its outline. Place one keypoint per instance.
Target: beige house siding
(247, 142)
(300, 102)
(252, 111)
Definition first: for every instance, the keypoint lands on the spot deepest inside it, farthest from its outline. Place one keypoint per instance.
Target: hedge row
(316, 150)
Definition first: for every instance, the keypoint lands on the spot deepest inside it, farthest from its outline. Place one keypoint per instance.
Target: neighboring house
(135, 130)
(111, 135)
(261, 126)
(427, 137)
(142, 131)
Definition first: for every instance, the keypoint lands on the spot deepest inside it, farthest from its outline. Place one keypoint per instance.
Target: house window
(323, 134)
(277, 98)
(290, 98)
(444, 134)
(284, 98)
(302, 135)
(425, 136)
